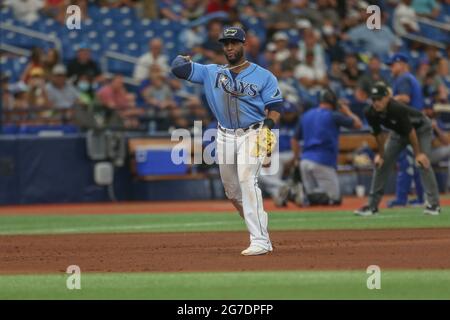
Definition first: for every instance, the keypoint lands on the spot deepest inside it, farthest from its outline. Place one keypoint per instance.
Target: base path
(349, 204)
(220, 251)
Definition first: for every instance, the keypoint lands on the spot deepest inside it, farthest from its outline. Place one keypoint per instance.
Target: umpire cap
(379, 90)
(328, 96)
(232, 33)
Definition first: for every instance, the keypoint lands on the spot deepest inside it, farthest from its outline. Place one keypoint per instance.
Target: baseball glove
(265, 143)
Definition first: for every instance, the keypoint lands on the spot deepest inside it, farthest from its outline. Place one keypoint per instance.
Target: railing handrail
(118, 56)
(430, 42)
(434, 23)
(34, 34)
(15, 49)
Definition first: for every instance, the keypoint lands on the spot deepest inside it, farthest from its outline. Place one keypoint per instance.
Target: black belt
(242, 130)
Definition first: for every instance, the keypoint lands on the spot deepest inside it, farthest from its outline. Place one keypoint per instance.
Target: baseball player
(408, 127)
(319, 129)
(246, 102)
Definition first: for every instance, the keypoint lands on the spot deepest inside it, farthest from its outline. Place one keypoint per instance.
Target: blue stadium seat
(6, 13)
(10, 129)
(131, 49)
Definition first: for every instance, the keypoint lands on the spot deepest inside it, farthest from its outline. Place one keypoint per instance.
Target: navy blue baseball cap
(232, 33)
(396, 58)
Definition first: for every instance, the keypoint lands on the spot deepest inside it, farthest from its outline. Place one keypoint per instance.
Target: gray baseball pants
(320, 178)
(393, 147)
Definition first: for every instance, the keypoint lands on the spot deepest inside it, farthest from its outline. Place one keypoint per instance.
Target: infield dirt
(220, 251)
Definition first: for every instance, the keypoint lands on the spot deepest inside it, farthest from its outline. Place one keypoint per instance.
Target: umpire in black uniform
(407, 126)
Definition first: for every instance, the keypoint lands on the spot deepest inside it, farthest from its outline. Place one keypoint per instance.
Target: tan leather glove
(265, 143)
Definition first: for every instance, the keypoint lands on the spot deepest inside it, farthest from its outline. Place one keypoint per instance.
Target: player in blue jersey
(246, 101)
(319, 130)
(406, 89)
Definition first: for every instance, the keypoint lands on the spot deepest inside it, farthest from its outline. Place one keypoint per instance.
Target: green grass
(65, 224)
(425, 284)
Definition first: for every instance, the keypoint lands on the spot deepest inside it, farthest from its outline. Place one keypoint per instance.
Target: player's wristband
(269, 123)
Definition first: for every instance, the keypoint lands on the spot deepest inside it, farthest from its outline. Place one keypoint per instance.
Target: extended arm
(182, 67)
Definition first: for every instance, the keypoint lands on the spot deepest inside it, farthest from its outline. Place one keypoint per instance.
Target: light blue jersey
(237, 100)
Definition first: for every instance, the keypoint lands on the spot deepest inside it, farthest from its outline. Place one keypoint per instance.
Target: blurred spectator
(441, 142)
(189, 9)
(333, 49)
(311, 77)
(374, 72)
(376, 41)
(83, 64)
(36, 60)
(328, 12)
(56, 9)
(193, 9)
(432, 56)
(191, 38)
(433, 87)
(85, 88)
(404, 20)
(51, 59)
(254, 51)
(83, 5)
(310, 42)
(147, 9)
(220, 5)
(61, 94)
(350, 70)
(114, 96)
(7, 97)
(256, 8)
(159, 96)
(116, 3)
(211, 44)
(154, 56)
(426, 8)
(289, 64)
(313, 15)
(37, 93)
(26, 11)
(361, 99)
(281, 41)
(20, 92)
(281, 17)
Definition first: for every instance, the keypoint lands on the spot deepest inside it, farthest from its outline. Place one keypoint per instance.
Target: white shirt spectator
(154, 56)
(145, 62)
(308, 72)
(404, 15)
(64, 98)
(25, 10)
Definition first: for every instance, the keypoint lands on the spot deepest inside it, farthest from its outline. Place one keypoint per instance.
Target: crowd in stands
(308, 45)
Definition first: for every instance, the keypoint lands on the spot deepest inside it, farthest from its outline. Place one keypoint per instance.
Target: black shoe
(432, 210)
(366, 211)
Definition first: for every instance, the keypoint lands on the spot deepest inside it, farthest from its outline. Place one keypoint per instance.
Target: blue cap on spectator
(396, 58)
(232, 33)
(83, 45)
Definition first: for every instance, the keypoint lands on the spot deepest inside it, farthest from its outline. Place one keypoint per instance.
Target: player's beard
(237, 58)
